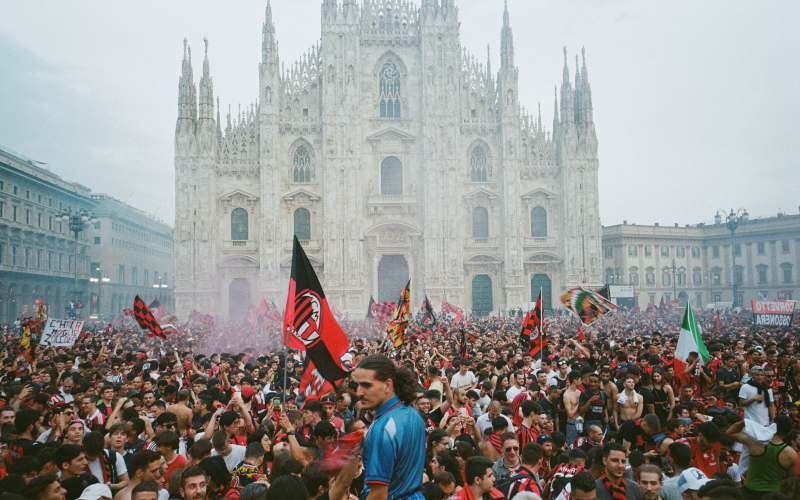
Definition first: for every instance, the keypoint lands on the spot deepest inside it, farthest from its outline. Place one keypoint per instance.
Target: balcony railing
(481, 242)
(240, 246)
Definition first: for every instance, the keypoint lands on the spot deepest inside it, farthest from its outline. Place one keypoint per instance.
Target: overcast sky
(696, 104)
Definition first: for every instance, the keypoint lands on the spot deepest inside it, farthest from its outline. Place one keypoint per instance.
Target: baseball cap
(756, 369)
(247, 392)
(347, 358)
(95, 492)
(691, 479)
(329, 400)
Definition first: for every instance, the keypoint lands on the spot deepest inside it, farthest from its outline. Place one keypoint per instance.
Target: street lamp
(103, 279)
(733, 220)
(78, 221)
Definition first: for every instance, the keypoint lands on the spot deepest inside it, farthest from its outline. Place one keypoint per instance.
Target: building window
(760, 248)
(391, 176)
(97, 225)
(27, 216)
(389, 91)
(2, 205)
(302, 224)
(715, 251)
(652, 298)
(698, 299)
(634, 278)
(480, 223)
(134, 276)
(28, 194)
(301, 163)
(762, 274)
(697, 278)
(15, 189)
(610, 276)
(716, 277)
(96, 240)
(27, 257)
(39, 259)
(539, 223)
(738, 276)
(665, 251)
(121, 274)
(681, 277)
(2, 253)
(146, 277)
(50, 223)
(239, 227)
(14, 213)
(478, 164)
(648, 251)
(737, 250)
(666, 279)
(60, 261)
(13, 255)
(695, 252)
(633, 250)
(650, 278)
(785, 246)
(667, 297)
(609, 252)
(680, 252)
(788, 295)
(786, 270)
(39, 220)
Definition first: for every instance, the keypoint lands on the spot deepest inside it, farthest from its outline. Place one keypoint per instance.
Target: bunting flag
(690, 340)
(427, 310)
(156, 309)
(146, 319)
(586, 304)
(308, 323)
(402, 313)
(449, 308)
(24, 357)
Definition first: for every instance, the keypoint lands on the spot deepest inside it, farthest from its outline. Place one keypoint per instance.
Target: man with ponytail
(394, 449)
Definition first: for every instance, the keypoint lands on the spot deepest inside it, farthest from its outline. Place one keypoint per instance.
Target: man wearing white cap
(690, 481)
(96, 492)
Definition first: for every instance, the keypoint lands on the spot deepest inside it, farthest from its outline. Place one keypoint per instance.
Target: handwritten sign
(61, 332)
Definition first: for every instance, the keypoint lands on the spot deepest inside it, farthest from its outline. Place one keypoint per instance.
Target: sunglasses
(512, 448)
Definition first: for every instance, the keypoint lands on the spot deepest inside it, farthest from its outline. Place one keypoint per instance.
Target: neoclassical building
(391, 152)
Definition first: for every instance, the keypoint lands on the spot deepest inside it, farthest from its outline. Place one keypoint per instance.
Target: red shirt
(178, 463)
(708, 460)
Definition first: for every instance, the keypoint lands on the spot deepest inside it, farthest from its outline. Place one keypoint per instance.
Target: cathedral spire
(567, 99)
(586, 91)
(506, 42)
(555, 112)
(269, 48)
(187, 93)
(206, 89)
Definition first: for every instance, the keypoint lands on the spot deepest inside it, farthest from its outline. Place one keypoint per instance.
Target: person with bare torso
(571, 397)
(629, 404)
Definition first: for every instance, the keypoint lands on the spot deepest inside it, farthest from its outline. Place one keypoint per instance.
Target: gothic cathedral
(391, 153)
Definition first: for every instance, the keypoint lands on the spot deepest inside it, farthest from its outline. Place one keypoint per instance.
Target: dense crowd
(216, 412)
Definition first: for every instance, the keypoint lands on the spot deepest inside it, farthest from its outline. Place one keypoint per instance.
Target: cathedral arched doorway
(540, 283)
(392, 277)
(684, 298)
(482, 295)
(238, 300)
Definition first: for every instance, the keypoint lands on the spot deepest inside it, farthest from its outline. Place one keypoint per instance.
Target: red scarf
(617, 492)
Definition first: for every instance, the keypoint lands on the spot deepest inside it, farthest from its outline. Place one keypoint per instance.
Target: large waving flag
(397, 326)
(586, 304)
(690, 340)
(533, 336)
(308, 322)
(25, 353)
(450, 308)
(156, 309)
(146, 319)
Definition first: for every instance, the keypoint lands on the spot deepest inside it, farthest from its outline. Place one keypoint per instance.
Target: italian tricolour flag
(690, 340)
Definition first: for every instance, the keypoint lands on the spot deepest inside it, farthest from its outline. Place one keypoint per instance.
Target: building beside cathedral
(390, 152)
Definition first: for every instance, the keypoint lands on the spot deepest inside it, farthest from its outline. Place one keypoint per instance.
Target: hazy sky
(696, 104)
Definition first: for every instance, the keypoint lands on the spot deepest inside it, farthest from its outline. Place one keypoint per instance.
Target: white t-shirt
(462, 381)
(757, 411)
(235, 458)
(513, 392)
(97, 470)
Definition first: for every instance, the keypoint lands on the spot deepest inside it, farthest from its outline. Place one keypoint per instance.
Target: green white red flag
(690, 340)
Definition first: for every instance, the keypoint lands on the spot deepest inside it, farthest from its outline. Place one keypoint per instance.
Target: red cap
(328, 400)
(247, 392)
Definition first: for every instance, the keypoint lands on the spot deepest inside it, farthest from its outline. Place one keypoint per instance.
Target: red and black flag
(308, 322)
(462, 344)
(370, 314)
(127, 312)
(450, 308)
(427, 310)
(146, 319)
(381, 312)
(156, 309)
(533, 336)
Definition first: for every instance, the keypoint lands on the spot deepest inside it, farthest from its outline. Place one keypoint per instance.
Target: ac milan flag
(400, 318)
(313, 385)
(534, 334)
(156, 309)
(462, 344)
(308, 322)
(450, 308)
(146, 319)
(427, 309)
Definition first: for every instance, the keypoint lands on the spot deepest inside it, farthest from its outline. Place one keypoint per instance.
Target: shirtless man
(609, 387)
(571, 397)
(629, 404)
(182, 411)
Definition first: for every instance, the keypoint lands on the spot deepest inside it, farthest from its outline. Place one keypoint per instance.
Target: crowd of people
(217, 412)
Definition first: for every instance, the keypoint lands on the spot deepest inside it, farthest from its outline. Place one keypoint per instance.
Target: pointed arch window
(480, 223)
(239, 229)
(391, 176)
(301, 163)
(302, 224)
(478, 164)
(538, 222)
(389, 80)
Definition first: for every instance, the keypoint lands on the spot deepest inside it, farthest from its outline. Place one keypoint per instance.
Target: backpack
(504, 485)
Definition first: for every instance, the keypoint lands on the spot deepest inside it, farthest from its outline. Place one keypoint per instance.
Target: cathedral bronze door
(481, 295)
(541, 283)
(392, 277)
(239, 301)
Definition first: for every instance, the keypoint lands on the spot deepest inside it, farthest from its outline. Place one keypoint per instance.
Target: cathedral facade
(392, 154)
